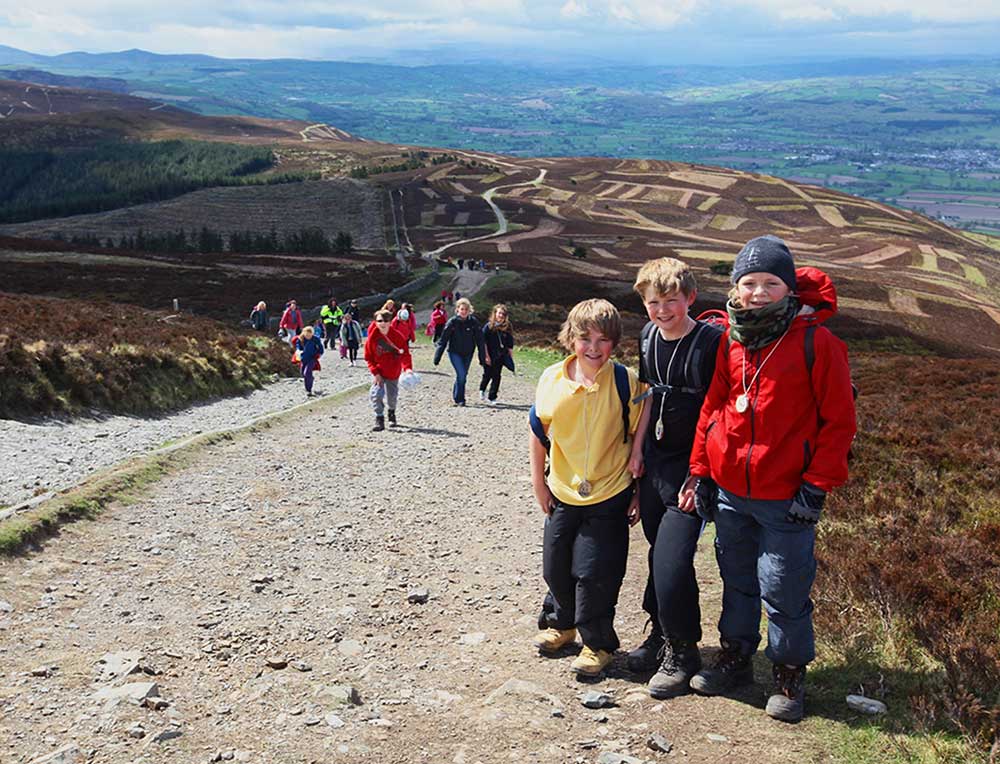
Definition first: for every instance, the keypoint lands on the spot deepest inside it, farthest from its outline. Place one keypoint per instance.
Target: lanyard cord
(753, 379)
(670, 363)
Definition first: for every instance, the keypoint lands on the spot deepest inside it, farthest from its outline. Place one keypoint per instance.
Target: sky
(730, 32)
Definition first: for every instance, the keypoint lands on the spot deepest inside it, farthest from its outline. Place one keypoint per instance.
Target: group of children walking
(748, 426)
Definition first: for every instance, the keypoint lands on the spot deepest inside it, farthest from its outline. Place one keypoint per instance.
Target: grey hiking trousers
(388, 392)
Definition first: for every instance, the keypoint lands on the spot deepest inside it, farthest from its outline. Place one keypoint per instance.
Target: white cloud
(348, 28)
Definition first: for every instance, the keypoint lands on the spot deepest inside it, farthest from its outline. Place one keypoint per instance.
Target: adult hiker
(462, 338)
(772, 440)
(331, 315)
(291, 321)
(258, 317)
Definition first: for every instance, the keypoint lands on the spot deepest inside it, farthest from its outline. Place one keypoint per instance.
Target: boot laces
(788, 680)
(729, 659)
(670, 656)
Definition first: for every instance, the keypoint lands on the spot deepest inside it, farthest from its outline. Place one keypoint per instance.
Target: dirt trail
(301, 544)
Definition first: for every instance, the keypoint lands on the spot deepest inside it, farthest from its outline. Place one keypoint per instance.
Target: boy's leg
(391, 397)
(737, 543)
(561, 527)
(737, 547)
(600, 553)
(675, 583)
(786, 569)
(376, 395)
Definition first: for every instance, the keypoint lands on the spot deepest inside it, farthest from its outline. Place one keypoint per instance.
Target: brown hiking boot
(730, 670)
(787, 701)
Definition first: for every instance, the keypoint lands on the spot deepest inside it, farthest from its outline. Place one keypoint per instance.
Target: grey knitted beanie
(765, 254)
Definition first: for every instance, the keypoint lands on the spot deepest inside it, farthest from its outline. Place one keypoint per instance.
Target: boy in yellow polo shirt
(588, 420)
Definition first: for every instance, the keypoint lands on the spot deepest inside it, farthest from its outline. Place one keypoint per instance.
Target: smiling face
(462, 311)
(669, 311)
(592, 350)
(755, 290)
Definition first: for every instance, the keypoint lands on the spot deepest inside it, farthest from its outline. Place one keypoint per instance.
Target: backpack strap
(624, 393)
(537, 428)
(696, 389)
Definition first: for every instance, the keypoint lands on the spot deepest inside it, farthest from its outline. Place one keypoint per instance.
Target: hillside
(896, 271)
(899, 273)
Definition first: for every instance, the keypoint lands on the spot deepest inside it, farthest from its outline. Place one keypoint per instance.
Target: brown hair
(588, 315)
(665, 275)
(439, 304)
(505, 326)
(383, 315)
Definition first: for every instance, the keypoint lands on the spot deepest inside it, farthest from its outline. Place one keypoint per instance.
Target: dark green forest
(307, 241)
(60, 182)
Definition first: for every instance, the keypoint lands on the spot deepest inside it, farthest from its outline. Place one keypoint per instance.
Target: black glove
(706, 498)
(807, 505)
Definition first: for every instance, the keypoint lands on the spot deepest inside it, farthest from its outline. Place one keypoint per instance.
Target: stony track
(273, 592)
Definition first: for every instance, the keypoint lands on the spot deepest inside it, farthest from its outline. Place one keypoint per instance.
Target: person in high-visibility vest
(332, 316)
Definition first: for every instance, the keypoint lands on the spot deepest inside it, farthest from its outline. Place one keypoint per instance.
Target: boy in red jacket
(772, 440)
(387, 355)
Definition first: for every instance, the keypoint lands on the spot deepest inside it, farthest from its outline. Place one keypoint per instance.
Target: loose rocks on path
(299, 546)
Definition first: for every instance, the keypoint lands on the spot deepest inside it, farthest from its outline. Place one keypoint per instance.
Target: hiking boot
(590, 662)
(379, 424)
(392, 418)
(553, 640)
(731, 669)
(681, 661)
(787, 701)
(646, 656)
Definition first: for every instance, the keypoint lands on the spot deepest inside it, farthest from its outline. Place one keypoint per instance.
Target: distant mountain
(39, 77)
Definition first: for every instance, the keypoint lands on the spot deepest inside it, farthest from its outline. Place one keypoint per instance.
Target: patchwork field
(934, 281)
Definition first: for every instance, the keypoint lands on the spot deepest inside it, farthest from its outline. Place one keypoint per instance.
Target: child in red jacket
(387, 355)
(772, 440)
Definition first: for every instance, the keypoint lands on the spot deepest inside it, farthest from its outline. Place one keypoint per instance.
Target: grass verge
(126, 483)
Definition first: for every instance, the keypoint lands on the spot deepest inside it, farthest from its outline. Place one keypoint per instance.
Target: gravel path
(320, 593)
(51, 455)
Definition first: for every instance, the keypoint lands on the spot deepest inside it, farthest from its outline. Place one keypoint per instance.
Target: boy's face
(382, 325)
(668, 311)
(462, 311)
(593, 349)
(756, 290)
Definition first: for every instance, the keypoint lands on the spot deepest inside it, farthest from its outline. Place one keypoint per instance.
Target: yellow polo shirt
(584, 425)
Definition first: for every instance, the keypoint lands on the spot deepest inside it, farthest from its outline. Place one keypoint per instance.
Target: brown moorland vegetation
(61, 356)
(910, 548)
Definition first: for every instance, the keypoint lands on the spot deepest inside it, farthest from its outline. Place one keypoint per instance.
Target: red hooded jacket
(384, 360)
(797, 428)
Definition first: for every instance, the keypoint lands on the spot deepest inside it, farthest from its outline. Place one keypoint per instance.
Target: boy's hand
(636, 465)
(545, 499)
(807, 505)
(686, 496)
(706, 497)
(378, 379)
(633, 509)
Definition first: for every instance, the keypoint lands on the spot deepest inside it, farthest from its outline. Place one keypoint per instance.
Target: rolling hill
(897, 271)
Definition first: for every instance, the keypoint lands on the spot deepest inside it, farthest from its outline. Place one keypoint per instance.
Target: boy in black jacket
(677, 360)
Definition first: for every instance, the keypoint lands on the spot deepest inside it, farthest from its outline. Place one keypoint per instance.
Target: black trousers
(671, 596)
(491, 377)
(584, 554)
